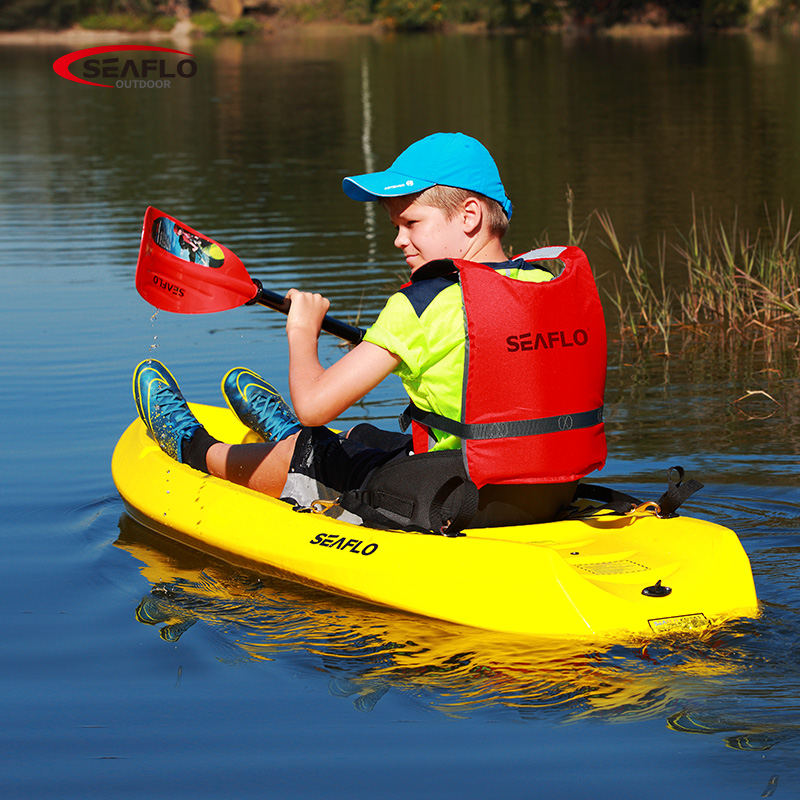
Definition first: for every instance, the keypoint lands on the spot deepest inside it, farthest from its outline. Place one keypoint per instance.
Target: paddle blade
(184, 271)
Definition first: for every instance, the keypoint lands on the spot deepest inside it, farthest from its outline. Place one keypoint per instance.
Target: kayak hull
(575, 578)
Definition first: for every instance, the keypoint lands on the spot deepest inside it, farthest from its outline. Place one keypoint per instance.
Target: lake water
(133, 667)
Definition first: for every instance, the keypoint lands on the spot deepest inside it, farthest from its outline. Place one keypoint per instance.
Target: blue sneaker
(162, 407)
(258, 405)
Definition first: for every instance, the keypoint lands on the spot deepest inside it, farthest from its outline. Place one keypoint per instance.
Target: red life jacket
(534, 377)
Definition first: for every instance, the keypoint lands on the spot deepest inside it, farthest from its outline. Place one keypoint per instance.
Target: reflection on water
(727, 408)
(254, 147)
(740, 735)
(367, 651)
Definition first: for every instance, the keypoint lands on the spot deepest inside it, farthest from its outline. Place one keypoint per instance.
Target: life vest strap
(501, 430)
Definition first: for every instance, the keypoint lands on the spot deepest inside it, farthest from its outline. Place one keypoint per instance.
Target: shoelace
(171, 405)
(274, 416)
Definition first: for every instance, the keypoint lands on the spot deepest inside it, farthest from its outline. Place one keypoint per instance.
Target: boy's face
(424, 233)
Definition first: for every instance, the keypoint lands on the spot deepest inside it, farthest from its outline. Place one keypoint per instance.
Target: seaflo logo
(342, 543)
(168, 287)
(546, 341)
(125, 71)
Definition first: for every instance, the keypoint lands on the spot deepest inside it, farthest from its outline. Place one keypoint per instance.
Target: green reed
(736, 281)
(642, 298)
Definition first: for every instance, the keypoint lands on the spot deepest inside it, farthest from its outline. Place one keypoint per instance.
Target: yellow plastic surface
(572, 578)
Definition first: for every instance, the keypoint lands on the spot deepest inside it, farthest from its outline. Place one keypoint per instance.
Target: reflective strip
(505, 430)
(553, 251)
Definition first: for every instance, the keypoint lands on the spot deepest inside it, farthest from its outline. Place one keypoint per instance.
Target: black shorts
(325, 463)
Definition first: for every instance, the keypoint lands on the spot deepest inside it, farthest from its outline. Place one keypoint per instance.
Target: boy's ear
(472, 214)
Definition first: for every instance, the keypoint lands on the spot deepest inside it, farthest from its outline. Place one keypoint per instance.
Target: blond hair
(449, 199)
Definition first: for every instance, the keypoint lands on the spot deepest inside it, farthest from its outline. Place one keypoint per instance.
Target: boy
(447, 202)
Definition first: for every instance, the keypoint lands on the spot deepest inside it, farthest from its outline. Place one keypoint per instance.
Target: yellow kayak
(604, 577)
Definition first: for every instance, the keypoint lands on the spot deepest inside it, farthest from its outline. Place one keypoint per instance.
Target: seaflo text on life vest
(546, 341)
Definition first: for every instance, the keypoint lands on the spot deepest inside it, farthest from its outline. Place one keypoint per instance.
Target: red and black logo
(125, 71)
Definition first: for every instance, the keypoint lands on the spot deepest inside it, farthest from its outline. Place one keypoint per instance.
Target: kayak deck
(580, 578)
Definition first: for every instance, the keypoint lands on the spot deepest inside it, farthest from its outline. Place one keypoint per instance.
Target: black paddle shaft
(264, 297)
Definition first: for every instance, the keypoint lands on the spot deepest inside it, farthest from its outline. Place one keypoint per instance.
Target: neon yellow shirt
(423, 324)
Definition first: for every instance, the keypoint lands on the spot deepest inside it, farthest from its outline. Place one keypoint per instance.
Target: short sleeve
(398, 330)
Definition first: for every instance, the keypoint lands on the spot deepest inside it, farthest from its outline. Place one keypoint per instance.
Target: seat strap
(678, 492)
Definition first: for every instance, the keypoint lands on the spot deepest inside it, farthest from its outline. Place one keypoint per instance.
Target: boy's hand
(306, 312)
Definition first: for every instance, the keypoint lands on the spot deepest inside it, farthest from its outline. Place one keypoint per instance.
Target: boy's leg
(167, 415)
(321, 466)
(261, 467)
(324, 465)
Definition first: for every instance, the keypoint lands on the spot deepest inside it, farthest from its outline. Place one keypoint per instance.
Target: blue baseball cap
(447, 159)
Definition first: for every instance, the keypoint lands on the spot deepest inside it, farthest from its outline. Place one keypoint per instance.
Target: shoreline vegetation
(736, 285)
(266, 17)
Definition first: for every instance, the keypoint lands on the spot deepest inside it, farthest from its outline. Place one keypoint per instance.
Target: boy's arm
(320, 395)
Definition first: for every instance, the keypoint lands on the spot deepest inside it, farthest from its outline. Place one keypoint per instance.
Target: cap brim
(375, 185)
